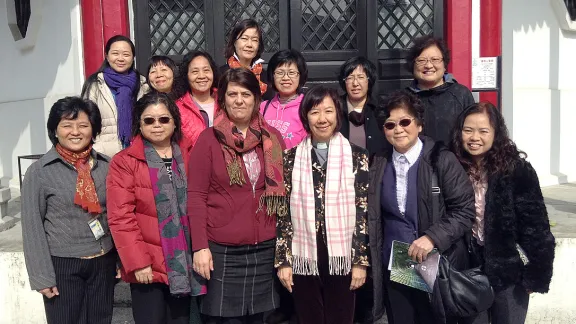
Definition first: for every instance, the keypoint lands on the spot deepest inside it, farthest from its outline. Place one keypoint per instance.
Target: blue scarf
(122, 86)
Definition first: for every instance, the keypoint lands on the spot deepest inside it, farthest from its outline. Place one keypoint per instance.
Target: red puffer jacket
(192, 121)
(132, 215)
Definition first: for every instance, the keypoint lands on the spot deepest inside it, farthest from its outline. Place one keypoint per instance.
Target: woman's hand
(285, 276)
(203, 263)
(358, 276)
(420, 248)
(144, 275)
(49, 292)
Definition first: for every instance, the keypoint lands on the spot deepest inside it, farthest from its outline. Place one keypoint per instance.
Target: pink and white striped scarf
(339, 205)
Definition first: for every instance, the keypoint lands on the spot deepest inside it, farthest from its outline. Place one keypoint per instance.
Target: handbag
(457, 293)
(462, 293)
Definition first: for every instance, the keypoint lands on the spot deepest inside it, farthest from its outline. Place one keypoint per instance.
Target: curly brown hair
(502, 157)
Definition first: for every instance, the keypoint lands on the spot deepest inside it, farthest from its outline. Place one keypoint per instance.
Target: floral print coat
(284, 230)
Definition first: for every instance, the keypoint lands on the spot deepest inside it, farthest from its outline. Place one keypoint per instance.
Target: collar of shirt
(412, 154)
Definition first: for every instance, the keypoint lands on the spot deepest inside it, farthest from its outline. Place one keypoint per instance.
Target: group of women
(193, 188)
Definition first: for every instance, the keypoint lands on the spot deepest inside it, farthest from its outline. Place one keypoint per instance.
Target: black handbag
(462, 293)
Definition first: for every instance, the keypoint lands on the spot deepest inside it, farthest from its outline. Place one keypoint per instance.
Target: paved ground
(560, 202)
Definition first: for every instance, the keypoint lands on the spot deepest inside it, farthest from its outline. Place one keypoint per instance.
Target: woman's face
(75, 134)
(477, 135)
(287, 79)
(161, 78)
(322, 120)
(401, 130)
(247, 44)
(157, 124)
(120, 56)
(429, 67)
(357, 84)
(200, 75)
(239, 104)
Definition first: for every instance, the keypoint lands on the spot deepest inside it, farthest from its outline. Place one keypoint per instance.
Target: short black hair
(181, 84)
(422, 43)
(238, 31)
(401, 99)
(313, 98)
(160, 60)
(244, 78)
(69, 108)
(288, 56)
(155, 98)
(349, 66)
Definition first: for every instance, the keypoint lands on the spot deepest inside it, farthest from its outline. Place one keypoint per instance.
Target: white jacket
(108, 142)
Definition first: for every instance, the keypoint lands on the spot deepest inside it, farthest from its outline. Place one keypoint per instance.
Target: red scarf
(233, 63)
(85, 196)
(234, 145)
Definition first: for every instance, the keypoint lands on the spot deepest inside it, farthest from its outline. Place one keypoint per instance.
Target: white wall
(34, 78)
(539, 89)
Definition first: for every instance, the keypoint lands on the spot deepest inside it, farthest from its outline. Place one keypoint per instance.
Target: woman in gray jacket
(68, 249)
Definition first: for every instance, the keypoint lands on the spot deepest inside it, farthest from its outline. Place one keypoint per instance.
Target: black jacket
(376, 142)
(442, 105)
(515, 213)
(268, 95)
(447, 228)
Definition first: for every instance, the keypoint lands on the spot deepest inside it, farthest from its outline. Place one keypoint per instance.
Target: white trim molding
(36, 9)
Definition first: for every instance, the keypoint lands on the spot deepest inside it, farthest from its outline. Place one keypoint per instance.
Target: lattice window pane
(328, 25)
(176, 26)
(265, 12)
(401, 21)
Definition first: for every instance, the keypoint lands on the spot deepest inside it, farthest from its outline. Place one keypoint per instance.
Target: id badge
(96, 228)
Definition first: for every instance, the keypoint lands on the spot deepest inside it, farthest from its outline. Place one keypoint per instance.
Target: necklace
(164, 152)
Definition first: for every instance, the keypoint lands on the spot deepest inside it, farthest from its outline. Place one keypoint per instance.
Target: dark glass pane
(22, 15)
(176, 26)
(328, 25)
(265, 12)
(571, 6)
(400, 21)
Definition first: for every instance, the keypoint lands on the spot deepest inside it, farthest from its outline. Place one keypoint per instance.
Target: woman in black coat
(400, 200)
(511, 235)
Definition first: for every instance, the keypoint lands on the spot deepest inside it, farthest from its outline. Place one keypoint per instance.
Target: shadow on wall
(540, 15)
(34, 69)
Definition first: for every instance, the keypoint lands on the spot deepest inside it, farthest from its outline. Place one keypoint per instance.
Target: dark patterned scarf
(173, 222)
(234, 145)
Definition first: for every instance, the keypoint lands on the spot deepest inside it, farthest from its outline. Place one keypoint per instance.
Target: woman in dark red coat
(147, 214)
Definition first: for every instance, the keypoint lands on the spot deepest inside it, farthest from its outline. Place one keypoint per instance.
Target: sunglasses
(151, 120)
(390, 125)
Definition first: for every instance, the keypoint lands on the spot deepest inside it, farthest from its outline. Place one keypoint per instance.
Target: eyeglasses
(359, 78)
(424, 60)
(291, 74)
(151, 120)
(390, 125)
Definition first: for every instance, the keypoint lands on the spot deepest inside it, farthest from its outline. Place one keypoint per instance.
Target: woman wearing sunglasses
(511, 217)
(400, 207)
(147, 188)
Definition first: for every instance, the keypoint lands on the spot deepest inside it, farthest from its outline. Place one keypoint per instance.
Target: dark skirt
(242, 282)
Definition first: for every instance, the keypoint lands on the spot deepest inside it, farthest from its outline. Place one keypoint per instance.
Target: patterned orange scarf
(234, 145)
(233, 63)
(85, 196)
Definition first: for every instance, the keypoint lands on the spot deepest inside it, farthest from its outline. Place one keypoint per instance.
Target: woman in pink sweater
(287, 69)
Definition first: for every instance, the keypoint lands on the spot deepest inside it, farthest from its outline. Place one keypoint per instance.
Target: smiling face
(477, 135)
(239, 104)
(247, 44)
(429, 68)
(120, 56)
(287, 79)
(322, 120)
(75, 134)
(161, 78)
(200, 75)
(357, 84)
(157, 124)
(403, 138)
